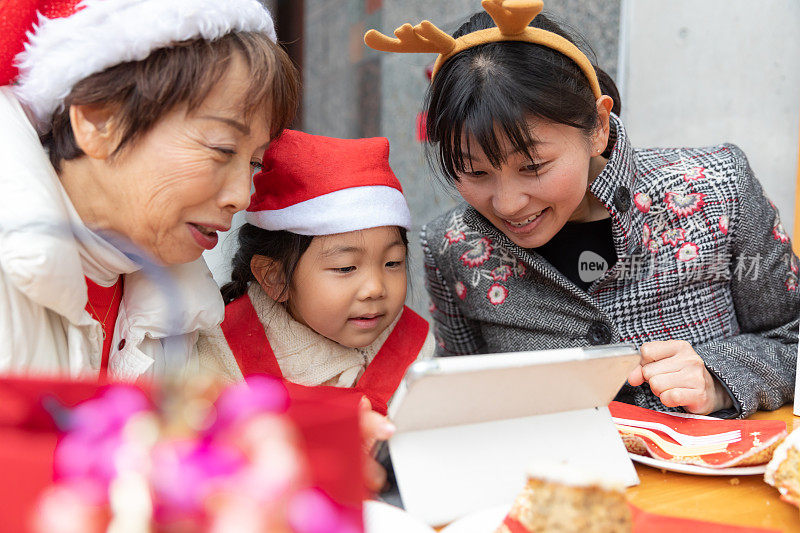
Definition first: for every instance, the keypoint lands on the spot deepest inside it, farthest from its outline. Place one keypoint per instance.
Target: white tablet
(468, 426)
(447, 391)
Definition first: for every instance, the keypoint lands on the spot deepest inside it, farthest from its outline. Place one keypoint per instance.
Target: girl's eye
(394, 264)
(255, 167)
(345, 270)
(476, 173)
(532, 167)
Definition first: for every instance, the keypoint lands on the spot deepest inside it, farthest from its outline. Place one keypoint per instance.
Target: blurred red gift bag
(326, 421)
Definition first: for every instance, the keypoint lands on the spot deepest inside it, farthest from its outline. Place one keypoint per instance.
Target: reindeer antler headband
(511, 17)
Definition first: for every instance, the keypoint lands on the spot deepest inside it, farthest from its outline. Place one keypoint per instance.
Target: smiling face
(350, 287)
(172, 190)
(530, 201)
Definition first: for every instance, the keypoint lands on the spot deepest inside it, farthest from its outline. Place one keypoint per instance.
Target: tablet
(470, 389)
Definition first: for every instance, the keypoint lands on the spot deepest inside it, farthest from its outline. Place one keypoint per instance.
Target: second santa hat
(314, 185)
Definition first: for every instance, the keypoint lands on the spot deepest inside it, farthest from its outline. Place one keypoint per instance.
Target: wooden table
(744, 500)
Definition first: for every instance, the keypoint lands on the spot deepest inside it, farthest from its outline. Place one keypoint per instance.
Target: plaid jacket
(702, 254)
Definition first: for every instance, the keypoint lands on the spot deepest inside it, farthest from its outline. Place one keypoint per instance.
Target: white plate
(381, 517)
(484, 521)
(698, 470)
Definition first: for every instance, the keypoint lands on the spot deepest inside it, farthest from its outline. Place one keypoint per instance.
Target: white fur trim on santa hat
(340, 211)
(62, 51)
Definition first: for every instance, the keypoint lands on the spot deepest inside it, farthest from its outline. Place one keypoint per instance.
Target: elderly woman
(129, 131)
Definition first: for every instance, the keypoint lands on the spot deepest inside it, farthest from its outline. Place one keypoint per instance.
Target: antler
(512, 16)
(424, 37)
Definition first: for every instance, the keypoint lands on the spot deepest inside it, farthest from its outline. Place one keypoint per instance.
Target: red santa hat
(47, 46)
(314, 185)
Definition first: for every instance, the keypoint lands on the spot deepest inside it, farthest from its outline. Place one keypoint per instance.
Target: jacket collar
(613, 188)
(43, 247)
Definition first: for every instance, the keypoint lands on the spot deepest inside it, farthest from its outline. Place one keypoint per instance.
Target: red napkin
(328, 423)
(759, 437)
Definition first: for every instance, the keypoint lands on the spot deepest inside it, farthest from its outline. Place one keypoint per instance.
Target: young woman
(569, 236)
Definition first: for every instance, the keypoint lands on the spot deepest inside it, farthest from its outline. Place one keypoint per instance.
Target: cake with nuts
(560, 498)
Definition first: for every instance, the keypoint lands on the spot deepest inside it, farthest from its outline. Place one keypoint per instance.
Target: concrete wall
(702, 73)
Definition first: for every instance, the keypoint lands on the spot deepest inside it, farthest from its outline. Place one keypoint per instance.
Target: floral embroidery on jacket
(643, 201)
(791, 282)
(453, 236)
(687, 252)
(477, 255)
(497, 294)
(673, 236)
(779, 233)
(461, 290)
(646, 234)
(694, 174)
(684, 204)
(501, 273)
(479, 250)
(723, 224)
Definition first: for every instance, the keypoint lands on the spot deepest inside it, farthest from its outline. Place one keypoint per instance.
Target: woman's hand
(374, 428)
(678, 376)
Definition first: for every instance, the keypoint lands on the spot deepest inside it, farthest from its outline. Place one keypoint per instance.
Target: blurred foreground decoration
(181, 457)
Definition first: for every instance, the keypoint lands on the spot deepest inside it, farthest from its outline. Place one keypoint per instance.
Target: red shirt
(103, 305)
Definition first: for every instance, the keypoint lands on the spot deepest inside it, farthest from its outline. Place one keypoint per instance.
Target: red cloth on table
(103, 305)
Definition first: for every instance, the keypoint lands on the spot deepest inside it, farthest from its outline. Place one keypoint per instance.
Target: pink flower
(793, 264)
(520, 269)
(643, 201)
(687, 252)
(477, 255)
(461, 290)
(780, 233)
(684, 205)
(673, 236)
(453, 236)
(723, 224)
(497, 294)
(791, 282)
(694, 174)
(501, 273)
(652, 246)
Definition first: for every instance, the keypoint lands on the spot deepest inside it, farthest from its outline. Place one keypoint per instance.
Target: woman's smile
(528, 224)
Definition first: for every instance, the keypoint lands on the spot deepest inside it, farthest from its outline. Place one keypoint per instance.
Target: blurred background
(691, 73)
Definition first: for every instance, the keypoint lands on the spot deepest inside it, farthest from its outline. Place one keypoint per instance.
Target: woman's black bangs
(479, 115)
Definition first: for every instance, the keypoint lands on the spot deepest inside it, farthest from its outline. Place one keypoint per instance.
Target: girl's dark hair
(284, 247)
(502, 85)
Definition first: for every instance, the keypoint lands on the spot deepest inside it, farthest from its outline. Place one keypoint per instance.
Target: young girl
(570, 236)
(319, 279)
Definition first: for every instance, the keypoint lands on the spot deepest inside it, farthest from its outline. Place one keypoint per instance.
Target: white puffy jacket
(44, 327)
